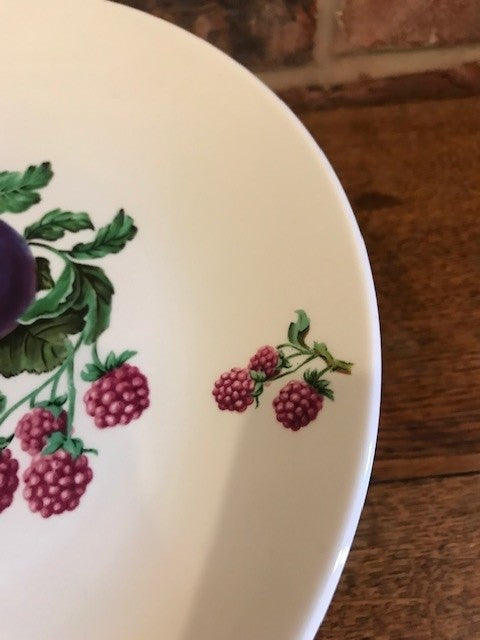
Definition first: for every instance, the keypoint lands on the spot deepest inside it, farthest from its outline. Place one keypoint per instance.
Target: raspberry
(55, 483)
(35, 427)
(297, 404)
(233, 390)
(266, 359)
(118, 397)
(8, 478)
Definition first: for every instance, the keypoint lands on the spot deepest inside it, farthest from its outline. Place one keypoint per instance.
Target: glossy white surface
(199, 524)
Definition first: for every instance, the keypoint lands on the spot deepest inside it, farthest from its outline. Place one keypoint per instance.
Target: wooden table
(412, 173)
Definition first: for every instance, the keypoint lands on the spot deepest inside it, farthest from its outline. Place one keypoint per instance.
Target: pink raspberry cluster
(118, 397)
(35, 426)
(58, 475)
(8, 478)
(297, 404)
(55, 483)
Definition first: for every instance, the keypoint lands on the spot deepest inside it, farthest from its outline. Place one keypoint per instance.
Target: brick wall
(329, 51)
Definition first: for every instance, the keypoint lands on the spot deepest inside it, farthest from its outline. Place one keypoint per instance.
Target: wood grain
(412, 173)
(413, 572)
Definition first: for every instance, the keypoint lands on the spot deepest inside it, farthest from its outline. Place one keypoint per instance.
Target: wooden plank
(413, 572)
(412, 173)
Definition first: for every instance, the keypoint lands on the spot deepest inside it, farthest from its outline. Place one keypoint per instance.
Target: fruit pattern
(39, 317)
(299, 402)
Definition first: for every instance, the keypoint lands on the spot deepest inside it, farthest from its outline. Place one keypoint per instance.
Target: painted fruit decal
(299, 402)
(45, 321)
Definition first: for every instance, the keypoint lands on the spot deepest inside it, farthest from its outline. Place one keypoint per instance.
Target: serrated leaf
(55, 302)
(39, 347)
(109, 239)
(3, 402)
(95, 295)
(297, 331)
(44, 275)
(18, 191)
(55, 223)
(91, 373)
(54, 443)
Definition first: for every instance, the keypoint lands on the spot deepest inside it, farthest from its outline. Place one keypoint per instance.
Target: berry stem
(53, 392)
(95, 358)
(72, 393)
(290, 371)
(299, 350)
(58, 252)
(33, 394)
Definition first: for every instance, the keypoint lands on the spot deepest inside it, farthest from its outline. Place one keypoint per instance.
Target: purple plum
(17, 277)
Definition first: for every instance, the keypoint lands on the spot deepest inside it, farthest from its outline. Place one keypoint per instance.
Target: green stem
(31, 395)
(300, 350)
(58, 252)
(95, 358)
(289, 371)
(71, 392)
(53, 392)
(323, 371)
(44, 385)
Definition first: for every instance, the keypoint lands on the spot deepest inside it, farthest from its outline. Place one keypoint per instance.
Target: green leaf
(297, 331)
(258, 376)
(124, 356)
(110, 361)
(283, 361)
(91, 373)
(54, 406)
(78, 444)
(4, 442)
(18, 191)
(55, 442)
(257, 390)
(73, 446)
(44, 275)
(95, 295)
(341, 366)
(321, 386)
(53, 225)
(39, 347)
(3, 402)
(60, 400)
(109, 239)
(70, 448)
(55, 302)
(54, 409)
(93, 451)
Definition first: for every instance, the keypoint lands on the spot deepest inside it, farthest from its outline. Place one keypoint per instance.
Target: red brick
(459, 82)
(274, 33)
(402, 24)
(259, 34)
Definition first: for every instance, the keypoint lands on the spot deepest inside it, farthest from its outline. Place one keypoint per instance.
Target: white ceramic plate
(198, 524)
